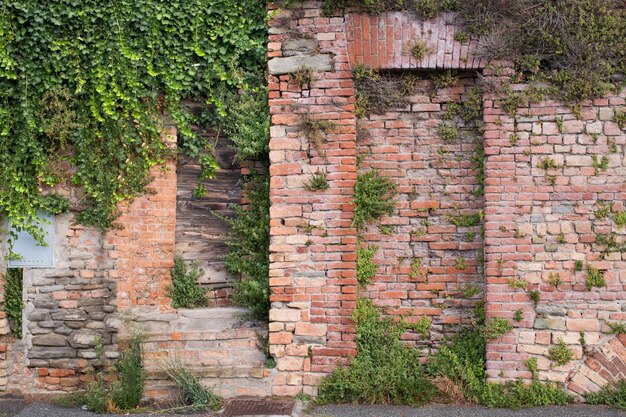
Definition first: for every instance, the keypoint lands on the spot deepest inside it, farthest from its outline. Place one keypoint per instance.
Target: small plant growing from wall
(535, 296)
(315, 130)
(495, 327)
(560, 353)
(447, 132)
(599, 164)
(13, 304)
(617, 327)
(365, 266)
(578, 266)
(595, 277)
(186, 291)
(466, 219)
(620, 118)
(445, 79)
(304, 76)
(373, 198)
(518, 315)
(620, 219)
(531, 364)
(418, 49)
(318, 182)
(554, 279)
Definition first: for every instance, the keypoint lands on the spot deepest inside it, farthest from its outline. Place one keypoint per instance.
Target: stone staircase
(216, 343)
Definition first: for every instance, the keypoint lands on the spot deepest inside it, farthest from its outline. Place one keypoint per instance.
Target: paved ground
(15, 408)
(469, 411)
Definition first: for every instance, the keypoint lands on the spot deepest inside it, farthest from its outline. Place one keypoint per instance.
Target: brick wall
(540, 222)
(537, 222)
(426, 264)
(312, 250)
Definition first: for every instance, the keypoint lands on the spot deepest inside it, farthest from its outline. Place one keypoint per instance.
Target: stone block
(292, 64)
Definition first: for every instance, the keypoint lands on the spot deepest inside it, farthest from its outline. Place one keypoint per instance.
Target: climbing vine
(84, 87)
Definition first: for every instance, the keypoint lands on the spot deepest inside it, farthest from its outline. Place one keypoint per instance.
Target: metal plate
(32, 254)
(258, 408)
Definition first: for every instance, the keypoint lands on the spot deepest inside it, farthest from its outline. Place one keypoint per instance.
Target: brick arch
(605, 365)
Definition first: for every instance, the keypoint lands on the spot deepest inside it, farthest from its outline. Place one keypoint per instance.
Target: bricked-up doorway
(431, 248)
(200, 233)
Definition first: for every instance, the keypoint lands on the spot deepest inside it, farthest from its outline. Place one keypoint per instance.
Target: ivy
(85, 85)
(13, 304)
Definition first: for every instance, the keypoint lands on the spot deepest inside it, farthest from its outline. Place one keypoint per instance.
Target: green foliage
(365, 266)
(96, 396)
(385, 370)
(248, 244)
(614, 395)
(123, 395)
(560, 353)
(578, 265)
(13, 305)
(595, 277)
(466, 219)
(361, 72)
(518, 315)
(535, 296)
(419, 49)
(601, 164)
(463, 362)
(448, 133)
(620, 219)
(445, 79)
(247, 123)
(195, 395)
(620, 118)
(318, 182)
(532, 366)
(186, 291)
(373, 198)
(495, 327)
(127, 393)
(86, 83)
(617, 327)
(518, 283)
(421, 326)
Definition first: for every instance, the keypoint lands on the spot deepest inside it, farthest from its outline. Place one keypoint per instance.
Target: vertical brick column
(144, 248)
(312, 251)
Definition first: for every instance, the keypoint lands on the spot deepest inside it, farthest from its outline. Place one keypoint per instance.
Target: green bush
(13, 304)
(385, 370)
(248, 244)
(614, 395)
(186, 291)
(127, 393)
(373, 198)
(247, 124)
(365, 266)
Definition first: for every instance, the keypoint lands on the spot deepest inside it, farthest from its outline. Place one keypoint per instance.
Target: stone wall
(98, 282)
(550, 201)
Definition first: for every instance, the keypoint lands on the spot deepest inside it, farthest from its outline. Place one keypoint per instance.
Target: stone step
(218, 346)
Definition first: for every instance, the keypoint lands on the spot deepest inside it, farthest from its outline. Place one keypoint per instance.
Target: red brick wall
(312, 251)
(437, 179)
(533, 229)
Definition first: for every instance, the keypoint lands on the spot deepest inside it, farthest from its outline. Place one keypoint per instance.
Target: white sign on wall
(31, 253)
